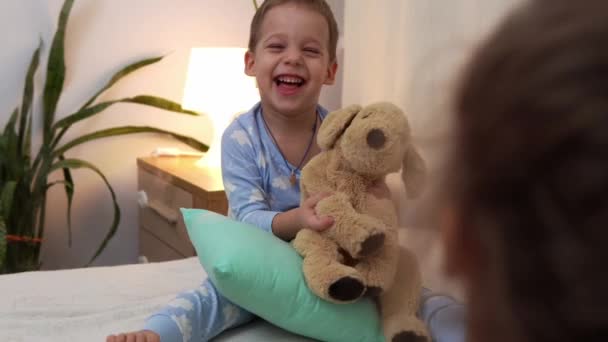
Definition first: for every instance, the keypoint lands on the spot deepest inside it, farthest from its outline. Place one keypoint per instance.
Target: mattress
(91, 303)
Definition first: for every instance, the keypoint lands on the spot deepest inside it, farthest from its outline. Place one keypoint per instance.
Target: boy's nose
(293, 56)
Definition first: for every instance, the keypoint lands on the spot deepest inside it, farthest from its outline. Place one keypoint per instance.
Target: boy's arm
(242, 180)
(286, 225)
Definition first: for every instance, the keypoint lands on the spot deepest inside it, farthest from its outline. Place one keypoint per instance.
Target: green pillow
(263, 274)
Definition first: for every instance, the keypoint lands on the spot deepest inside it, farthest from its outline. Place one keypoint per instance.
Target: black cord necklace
(292, 176)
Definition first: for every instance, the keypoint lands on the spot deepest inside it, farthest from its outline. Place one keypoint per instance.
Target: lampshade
(216, 85)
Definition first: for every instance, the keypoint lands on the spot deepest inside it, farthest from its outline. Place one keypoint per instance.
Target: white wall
(104, 36)
(410, 51)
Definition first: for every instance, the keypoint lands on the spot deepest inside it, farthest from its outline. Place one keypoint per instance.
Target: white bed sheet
(90, 303)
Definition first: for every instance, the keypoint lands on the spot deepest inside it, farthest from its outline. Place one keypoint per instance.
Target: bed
(91, 303)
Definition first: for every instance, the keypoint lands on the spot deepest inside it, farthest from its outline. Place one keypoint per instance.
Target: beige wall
(410, 52)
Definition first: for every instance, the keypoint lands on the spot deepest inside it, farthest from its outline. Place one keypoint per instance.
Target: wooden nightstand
(167, 184)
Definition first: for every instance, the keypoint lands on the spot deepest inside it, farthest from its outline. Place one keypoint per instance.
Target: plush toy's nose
(376, 138)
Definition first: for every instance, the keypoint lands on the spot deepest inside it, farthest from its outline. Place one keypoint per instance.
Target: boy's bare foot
(136, 336)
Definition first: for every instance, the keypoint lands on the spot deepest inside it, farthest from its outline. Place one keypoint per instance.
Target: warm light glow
(216, 85)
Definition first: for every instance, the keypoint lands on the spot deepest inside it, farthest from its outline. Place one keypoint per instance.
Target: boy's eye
(275, 46)
(312, 51)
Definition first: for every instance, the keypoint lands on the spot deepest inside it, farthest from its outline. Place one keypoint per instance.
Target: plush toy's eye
(376, 139)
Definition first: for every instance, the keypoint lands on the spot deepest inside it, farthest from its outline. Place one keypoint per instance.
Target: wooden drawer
(167, 184)
(155, 250)
(161, 218)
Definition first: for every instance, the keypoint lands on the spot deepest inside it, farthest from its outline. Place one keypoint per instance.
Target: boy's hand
(286, 225)
(309, 217)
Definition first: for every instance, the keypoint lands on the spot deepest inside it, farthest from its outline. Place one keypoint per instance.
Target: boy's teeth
(290, 80)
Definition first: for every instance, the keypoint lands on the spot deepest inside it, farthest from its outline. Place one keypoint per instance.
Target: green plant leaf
(82, 114)
(69, 188)
(27, 146)
(76, 164)
(13, 162)
(3, 157)
(159, 102)
(69, 192)
(2, 243)
(10, 125)
(123, 130)
(147, 100)
(55, 73)
(119, 75)
(51, 184)
(6, 198)
(39, 230)
(28, 92)
(40, 168)
(153, 101)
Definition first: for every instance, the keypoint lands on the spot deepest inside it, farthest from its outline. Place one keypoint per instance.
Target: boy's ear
(331, 73)
(249, 64)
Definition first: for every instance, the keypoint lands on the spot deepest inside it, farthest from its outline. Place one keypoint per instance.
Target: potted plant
(24, 176)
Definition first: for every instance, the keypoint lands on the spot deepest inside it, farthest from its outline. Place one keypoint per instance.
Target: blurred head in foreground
(526, 228)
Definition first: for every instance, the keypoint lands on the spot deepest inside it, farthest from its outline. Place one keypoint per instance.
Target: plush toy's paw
(359, 234)
(309, 241)
(409, 336)
(330, 279)
(373, 291)
(346, 289)
(410, 329)
(372, 244)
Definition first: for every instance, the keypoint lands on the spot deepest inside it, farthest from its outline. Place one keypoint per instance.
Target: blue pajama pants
(201, 314)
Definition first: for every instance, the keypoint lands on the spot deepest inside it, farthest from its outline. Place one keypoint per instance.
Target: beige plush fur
(360, 254)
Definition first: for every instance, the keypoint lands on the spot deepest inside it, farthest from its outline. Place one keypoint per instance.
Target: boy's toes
(120, 338)
(149, 336)
(139, 336)
(112, 338)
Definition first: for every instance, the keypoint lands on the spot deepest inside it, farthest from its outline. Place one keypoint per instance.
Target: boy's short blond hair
(319, 6)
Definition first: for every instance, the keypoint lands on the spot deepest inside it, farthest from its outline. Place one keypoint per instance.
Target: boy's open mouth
(289, 81)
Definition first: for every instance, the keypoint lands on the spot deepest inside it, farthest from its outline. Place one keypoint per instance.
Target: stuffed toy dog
(360, 255)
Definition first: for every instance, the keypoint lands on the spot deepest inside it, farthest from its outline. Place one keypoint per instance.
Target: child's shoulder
(242, 130)
(245, 119)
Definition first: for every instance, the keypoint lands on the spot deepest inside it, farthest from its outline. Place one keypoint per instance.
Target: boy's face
(291, 59)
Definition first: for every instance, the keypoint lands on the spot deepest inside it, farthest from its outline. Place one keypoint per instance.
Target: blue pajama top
(255, 175)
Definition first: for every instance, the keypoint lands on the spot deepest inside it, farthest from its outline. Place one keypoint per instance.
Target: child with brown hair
(292, 54)
(528, 178)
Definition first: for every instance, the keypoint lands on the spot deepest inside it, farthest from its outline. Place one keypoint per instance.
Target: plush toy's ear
(334, 125)
(413, 172)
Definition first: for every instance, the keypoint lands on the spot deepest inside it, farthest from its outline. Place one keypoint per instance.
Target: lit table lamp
(216, 85)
